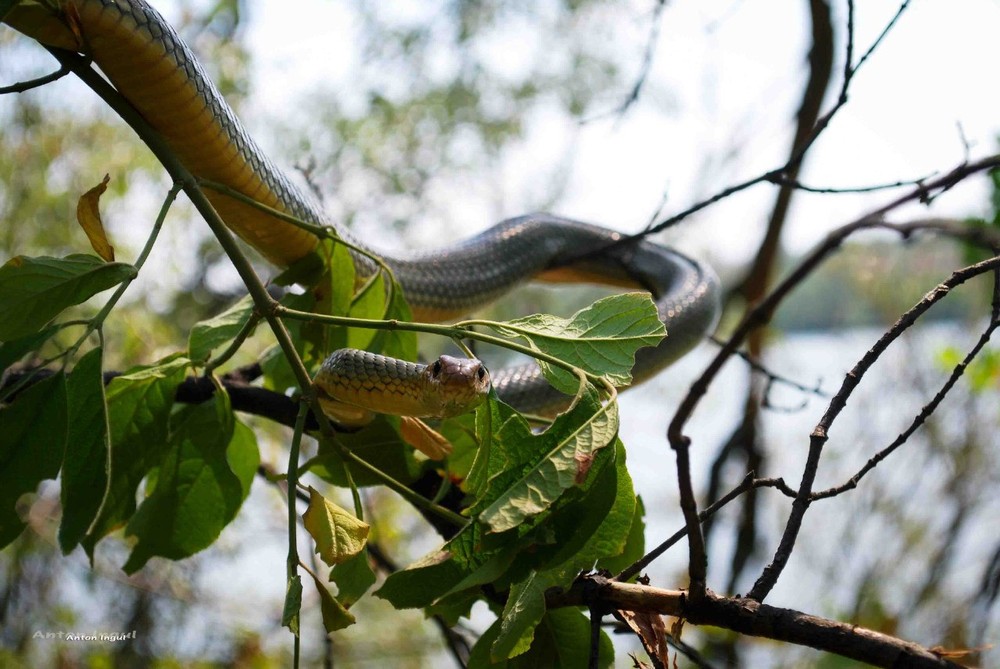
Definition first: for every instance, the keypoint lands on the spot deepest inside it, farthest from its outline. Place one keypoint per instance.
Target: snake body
(355, 384)
(145, 59)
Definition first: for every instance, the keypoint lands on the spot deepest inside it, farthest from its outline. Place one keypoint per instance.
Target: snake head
(458, 385)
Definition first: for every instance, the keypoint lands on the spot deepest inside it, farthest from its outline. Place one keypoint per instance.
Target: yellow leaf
(335, 616)
(88, 215)
(337, 533)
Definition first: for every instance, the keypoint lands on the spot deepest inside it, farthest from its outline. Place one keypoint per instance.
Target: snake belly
(145, 59)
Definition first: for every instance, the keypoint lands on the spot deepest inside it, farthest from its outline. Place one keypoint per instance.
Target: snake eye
(481, 374)
(436, 368)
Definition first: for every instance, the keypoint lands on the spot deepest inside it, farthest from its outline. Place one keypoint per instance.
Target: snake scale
(145, 59)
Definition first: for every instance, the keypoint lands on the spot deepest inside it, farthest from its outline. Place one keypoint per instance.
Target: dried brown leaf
(88, 215)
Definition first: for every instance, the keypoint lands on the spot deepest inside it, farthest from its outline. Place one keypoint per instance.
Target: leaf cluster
(537, 506)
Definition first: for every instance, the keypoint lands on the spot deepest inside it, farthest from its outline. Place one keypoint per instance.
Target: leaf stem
(460, 330)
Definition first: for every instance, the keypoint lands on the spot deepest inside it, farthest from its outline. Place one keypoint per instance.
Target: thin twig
(23, 86)
(747, 484)
(772, 377)
(930, 407)
(784, 180)
(820, 434)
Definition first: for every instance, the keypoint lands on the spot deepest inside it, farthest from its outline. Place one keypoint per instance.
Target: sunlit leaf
(210, 334)
(591, 528)
(331, 294)
(567, 451)
(88, 215)
(635, 542)
(338, 534)
(33, 291)
(601, 339)
(371, 303)
(243, 456)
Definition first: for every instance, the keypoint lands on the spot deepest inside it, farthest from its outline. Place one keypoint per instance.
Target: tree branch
(752, 618)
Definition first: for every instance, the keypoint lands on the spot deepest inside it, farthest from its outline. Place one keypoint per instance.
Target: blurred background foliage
(435, 103)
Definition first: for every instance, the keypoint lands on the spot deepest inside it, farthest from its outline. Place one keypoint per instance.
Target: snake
(157, 73)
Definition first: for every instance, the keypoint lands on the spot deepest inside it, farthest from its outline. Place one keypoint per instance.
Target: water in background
(889, 554)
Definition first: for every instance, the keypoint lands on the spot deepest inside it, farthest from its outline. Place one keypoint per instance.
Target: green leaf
(422, 582)
(479, 471)
(353, 576)
(6, 6)
(32, 443)
(331, 295)
(635, 543)
(139, 405)
(568, 449)
(396, 343)
(338, 534)
(208, 335)
(306, 271)
(369, 303)
(340, 287)
(12, 351)
(561, 641)
(278, 373)
(523, 611)
(335, 615)
(243, 456)
(594, 525)
(378, 444)
(85, 467)
(601, 339)
(460, 432)
(293, 604)
(196, 493)
(33, 291)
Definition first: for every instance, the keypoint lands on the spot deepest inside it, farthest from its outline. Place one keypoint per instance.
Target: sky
(720, 78)
(716, 109)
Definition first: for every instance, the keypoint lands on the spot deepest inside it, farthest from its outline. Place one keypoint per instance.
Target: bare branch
(23, 86)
